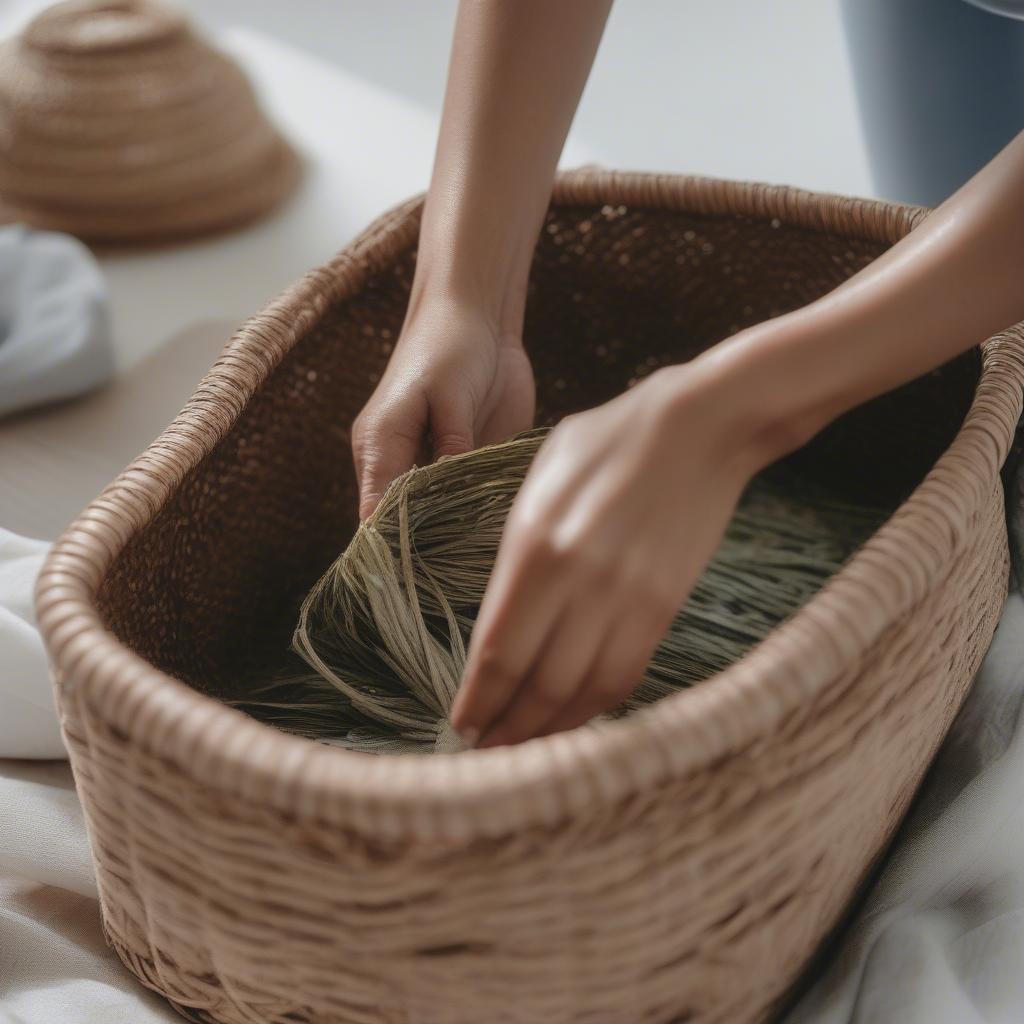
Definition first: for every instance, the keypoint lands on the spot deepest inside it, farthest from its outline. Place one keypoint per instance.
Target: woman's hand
(453, 383)
(621, 511)
(625, 504)
(459, 377)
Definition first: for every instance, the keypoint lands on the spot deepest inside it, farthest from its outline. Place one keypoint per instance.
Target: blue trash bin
(940, 87)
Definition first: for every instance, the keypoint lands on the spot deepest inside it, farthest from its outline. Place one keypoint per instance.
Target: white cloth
(54, 322)
(939, 938)
(55, 967)
(28, 722)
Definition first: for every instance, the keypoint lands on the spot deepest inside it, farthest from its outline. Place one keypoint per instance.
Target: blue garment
(1008, 8)
(940, 85)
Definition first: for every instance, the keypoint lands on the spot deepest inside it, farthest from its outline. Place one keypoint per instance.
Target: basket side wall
(696, 898)
(718, 886)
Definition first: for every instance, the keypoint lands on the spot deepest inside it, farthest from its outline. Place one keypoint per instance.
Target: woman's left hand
(625, 504)
(620, 513)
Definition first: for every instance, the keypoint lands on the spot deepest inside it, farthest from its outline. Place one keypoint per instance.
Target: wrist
(753, 395)
(438, 311)
(469, 263)
(435, 294)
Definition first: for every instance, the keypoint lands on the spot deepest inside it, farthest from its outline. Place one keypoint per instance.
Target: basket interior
(208, 591)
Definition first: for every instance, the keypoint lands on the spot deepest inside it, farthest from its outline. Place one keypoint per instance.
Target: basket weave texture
(681, 864)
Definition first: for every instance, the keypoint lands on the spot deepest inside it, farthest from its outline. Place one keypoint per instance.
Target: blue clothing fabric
(940, 87)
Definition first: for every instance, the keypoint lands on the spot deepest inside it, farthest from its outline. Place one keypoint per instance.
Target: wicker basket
(683, 864)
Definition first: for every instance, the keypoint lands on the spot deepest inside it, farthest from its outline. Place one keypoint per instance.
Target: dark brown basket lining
(208, 590)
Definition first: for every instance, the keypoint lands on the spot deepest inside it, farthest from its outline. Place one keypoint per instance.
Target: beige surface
(53, 461)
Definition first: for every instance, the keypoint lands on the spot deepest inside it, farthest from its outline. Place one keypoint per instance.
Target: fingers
(555, 678)
(385, 445)
(388, 440)
(614, 674)
(521, 603)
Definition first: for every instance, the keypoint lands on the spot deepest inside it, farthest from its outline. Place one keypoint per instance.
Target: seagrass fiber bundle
(385, 630)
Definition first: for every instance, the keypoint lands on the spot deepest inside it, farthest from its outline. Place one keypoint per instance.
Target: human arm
(459, 376)
(606, 537)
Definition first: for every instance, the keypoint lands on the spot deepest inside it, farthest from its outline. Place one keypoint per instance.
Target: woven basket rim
(448, 798)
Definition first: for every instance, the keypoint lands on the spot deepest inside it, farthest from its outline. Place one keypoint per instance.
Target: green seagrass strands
(389, 622)
(385, 631)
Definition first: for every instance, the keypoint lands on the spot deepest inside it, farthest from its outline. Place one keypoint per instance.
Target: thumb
(384, 447)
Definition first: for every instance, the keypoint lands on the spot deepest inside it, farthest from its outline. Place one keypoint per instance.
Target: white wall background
(756, 89)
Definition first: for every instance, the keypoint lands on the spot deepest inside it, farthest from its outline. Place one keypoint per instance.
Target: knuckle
(537, 547)
(529, 514)
(358, 432)
(562, 546)
(555, 547)
(550, 690)
(489, 662)
(364, 427)
(546, 696)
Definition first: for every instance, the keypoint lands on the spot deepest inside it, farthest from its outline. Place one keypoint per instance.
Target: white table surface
(365, 149)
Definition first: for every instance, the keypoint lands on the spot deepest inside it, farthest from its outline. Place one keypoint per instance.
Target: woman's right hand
(459, 377)
(454, 382)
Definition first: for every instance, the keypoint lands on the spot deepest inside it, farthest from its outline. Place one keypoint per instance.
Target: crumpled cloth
(939, 937)
(54, 321)
(55, 966)
(28, 719)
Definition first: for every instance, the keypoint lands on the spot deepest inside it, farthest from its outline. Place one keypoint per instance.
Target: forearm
(516, 74)
(951, 283)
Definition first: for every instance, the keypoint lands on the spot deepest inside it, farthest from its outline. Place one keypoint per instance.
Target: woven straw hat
(117, 123)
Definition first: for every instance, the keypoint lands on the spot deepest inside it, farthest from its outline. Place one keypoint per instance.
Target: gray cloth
(939, 938)
(54, 324)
